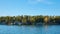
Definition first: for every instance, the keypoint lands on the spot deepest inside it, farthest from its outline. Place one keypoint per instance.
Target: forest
(29, 20)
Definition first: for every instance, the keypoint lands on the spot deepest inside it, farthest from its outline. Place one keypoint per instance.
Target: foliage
(30, 19)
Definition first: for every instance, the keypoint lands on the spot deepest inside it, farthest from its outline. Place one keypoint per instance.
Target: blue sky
(29, 7)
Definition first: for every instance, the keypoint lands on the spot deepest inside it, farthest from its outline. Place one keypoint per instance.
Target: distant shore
(30, 20)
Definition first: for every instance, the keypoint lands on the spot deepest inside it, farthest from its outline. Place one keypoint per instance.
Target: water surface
(52, 29)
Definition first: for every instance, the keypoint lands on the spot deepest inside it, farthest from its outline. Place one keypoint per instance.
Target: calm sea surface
(50, 29)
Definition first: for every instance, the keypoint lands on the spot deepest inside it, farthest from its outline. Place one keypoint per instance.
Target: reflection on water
(46, 28)
(51, 29)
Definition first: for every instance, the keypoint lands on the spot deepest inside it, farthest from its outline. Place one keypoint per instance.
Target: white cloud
(39, 1)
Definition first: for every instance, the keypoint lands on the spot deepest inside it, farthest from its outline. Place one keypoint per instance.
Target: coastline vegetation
(29, 20)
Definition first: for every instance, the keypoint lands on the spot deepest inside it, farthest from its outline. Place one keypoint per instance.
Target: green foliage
(30, 19)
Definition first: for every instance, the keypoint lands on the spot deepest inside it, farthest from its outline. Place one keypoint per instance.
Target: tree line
(29, 20)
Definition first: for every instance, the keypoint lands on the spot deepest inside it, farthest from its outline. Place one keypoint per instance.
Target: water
(52, 29)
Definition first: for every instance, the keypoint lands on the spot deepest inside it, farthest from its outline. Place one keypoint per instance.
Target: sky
(29, 7)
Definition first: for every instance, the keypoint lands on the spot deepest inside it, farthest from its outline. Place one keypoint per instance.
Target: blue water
(52, 29)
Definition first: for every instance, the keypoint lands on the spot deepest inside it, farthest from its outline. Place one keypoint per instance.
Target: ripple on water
(5, 29)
